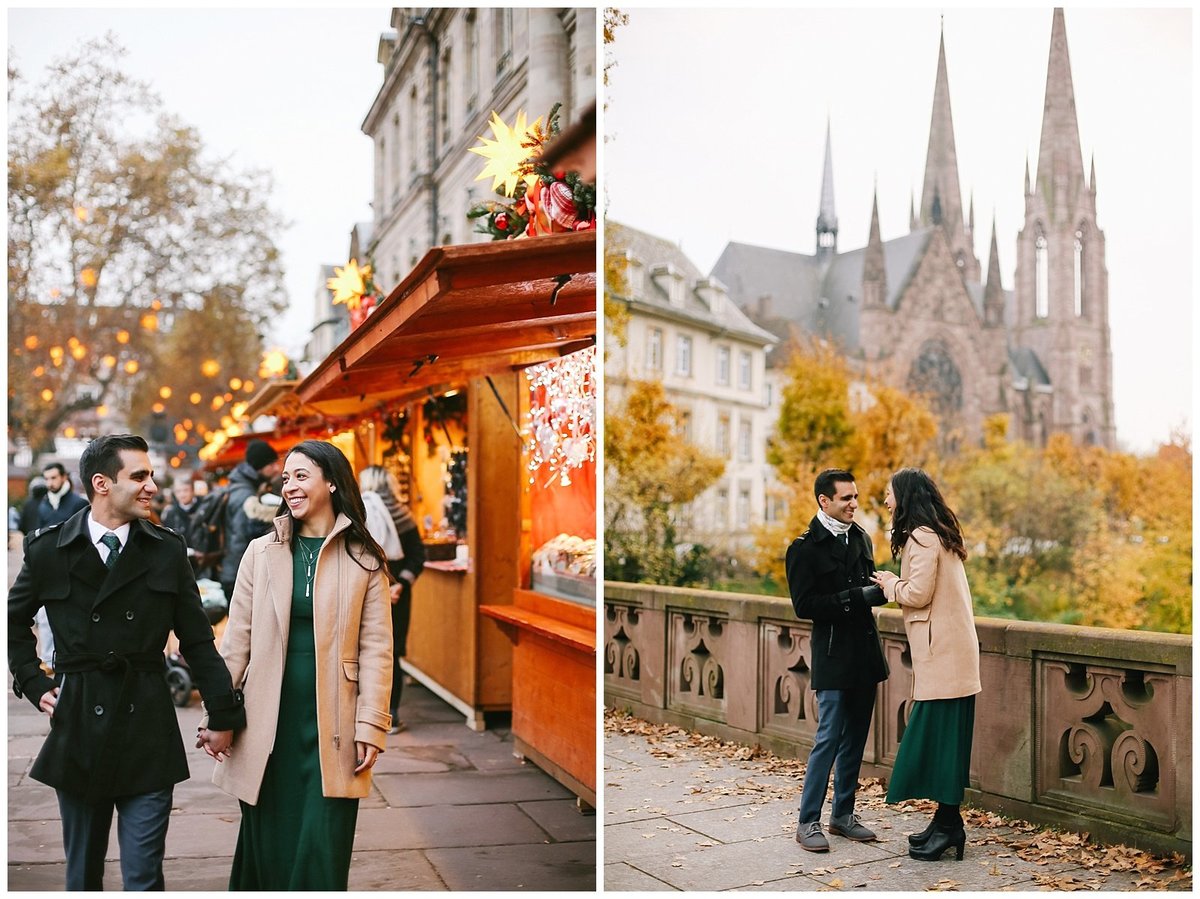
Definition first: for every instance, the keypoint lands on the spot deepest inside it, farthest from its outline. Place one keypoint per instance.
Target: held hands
(215, 743)
(882, 579)
(367, 754)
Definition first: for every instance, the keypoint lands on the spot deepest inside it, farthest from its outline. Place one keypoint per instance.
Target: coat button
(95, 616)
(99, 710)
(131, 708)
(129, 615)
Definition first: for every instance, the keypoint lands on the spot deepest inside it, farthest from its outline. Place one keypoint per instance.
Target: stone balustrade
(1085, 729)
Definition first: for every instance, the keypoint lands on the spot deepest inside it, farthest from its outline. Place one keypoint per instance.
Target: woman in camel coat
(309, 642)
(934, 758)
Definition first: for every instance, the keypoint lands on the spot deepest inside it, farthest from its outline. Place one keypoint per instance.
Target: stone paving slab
(468, 788)
(561, 819)
(557, 867)
(623, 876)
(449, 826)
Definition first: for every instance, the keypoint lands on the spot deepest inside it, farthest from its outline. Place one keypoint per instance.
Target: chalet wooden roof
(464, 311)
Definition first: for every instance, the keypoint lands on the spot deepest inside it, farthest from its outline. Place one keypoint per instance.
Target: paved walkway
(688, 812)
(451, 809)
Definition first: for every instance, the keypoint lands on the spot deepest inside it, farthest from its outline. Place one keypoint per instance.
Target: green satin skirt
(934, 760)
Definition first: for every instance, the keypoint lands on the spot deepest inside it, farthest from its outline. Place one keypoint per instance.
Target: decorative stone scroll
(622, 658)
(696, 662)
(1106, 736)
(786, 700)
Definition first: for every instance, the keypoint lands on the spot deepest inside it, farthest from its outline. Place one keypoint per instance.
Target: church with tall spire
(916, 310)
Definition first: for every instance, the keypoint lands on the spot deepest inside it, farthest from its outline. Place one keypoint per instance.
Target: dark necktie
(114, 545)
(846, 539)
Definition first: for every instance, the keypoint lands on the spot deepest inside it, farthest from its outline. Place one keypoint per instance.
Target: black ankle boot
(920, 839)
(938, 842)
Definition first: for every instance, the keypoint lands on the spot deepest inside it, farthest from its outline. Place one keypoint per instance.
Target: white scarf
(835, 527)
(56, 497)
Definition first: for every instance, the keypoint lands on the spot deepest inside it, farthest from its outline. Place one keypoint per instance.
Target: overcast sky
(729, 143)
(284, 90)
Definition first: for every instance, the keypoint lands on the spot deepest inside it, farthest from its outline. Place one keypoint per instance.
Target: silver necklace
(310, 563)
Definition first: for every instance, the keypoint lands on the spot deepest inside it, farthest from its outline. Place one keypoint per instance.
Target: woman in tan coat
(934, 759)
(309, 642)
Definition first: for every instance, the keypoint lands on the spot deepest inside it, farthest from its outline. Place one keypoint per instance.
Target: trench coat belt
(127, 664)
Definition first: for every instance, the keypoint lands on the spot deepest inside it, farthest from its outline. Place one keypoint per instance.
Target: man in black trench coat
(829, 570)
(114, 585)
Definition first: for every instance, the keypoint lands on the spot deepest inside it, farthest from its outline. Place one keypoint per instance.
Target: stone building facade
(445, 71)
(916, 311)
(684, 331)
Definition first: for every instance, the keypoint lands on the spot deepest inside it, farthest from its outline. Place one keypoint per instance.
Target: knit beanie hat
(260, 454)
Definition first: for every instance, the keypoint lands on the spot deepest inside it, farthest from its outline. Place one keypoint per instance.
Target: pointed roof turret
(993, 294)
(1092, 178)
(912, 212)
(1060, 159)
(874, 271)
(941, 159)
(1026, 174)
(827, 227)
(971, 215)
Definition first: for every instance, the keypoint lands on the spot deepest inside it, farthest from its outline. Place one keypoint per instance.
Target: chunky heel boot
(917, 840)
(939, 841)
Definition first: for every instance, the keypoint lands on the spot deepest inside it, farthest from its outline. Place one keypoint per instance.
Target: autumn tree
(121, 227)
(832, 418)
(650, 472)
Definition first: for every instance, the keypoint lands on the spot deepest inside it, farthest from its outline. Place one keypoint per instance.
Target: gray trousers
(141, 834)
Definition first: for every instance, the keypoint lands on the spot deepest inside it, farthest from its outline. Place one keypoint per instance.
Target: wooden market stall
(436, 378)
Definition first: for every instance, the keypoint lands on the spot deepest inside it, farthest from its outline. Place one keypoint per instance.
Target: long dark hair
(347, 500)
(919, 503)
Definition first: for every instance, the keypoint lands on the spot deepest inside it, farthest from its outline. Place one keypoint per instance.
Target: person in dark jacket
(114, 585)
(60, 501)
(259, 466)
(405, 569)
(29, 512)
(829, 570)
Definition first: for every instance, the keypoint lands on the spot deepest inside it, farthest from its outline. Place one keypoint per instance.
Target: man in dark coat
(60, 501)
(261, 463)
(828, 571)
(114, 585)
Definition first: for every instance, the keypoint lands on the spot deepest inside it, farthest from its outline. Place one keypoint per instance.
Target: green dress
(934, 759)
(295, 838)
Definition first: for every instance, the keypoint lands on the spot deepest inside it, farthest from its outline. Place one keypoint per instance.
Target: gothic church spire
(874, 271)
(1060, 158)
(941, 159)
(827, 227)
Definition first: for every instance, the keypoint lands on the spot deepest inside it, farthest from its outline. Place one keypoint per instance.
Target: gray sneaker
(810, 837)
(851, 828)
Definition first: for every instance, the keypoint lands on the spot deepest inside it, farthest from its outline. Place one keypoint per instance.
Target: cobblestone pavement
(688, 812)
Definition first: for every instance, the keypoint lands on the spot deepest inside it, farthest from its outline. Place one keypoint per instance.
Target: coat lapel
(279, 575)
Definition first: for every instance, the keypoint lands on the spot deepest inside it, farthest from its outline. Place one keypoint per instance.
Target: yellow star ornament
(347, 285)
(507, 152)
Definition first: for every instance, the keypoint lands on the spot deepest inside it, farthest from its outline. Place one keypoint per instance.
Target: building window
(654, 348)
(635, 277)
(724, 437)
(685, 424)
(769, 393)
(397, 166)
(471, 73)
(380, 169)
(444, 104)
(685, 516)
(723, 365)
(504, 35)
(775, 508)
(743, 506)
(683, 356)
(1078, 274)
(721, 519)
(1041, 279)
(744, 370)
(745, 434)
(413, 119)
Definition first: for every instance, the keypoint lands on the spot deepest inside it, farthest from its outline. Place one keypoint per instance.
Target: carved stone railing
(1088, 729)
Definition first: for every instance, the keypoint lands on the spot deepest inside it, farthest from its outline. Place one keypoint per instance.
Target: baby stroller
(179, 675)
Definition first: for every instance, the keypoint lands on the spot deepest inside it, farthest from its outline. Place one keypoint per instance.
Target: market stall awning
(276, 398)
(233, 450)
(465, 311)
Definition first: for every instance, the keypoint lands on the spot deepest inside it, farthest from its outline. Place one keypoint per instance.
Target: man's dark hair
(826, 480)
(55, 466)
(103, 456)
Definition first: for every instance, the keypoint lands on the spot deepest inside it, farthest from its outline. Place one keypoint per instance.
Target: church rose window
(935, 375)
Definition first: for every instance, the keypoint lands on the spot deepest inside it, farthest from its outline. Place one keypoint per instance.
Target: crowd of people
(319, 598)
